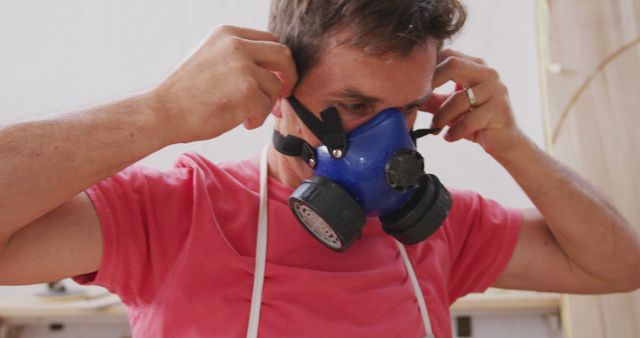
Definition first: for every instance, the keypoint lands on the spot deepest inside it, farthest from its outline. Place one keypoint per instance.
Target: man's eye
(360, 108)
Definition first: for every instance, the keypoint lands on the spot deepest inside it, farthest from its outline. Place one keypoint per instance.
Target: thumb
(436, 100)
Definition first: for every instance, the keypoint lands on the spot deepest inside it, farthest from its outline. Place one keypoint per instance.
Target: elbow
(4, 244)
(631, 281)
(3, 248)
(630, 285)
(630, 263)
(634, 281)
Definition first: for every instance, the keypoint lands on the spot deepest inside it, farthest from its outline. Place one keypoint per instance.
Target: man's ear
(277, 108)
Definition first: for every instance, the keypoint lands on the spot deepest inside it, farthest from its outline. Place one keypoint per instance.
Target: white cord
(261, 251)
(261, 259)
(418, 291)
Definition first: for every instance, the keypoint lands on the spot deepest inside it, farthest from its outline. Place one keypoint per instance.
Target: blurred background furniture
(32, 312)
(24, 313)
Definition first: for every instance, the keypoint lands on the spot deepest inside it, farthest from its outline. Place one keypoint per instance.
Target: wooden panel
(582, 35)
(582, 317)
(594, 111)
(600, 137)
(600, 141)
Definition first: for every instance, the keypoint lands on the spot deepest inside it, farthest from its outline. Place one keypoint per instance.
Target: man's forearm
(588, 229)
(45, 162)
(235, 77)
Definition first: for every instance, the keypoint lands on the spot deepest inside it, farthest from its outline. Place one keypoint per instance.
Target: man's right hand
(48, 227)
(234, 77)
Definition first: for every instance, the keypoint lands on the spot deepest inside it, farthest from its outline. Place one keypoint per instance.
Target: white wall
(503, 33)
(62, 55)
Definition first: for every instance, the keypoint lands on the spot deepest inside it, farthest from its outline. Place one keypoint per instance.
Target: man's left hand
(490, 121)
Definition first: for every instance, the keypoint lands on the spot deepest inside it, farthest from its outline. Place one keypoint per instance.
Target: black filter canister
(422, 215)
(328, 212)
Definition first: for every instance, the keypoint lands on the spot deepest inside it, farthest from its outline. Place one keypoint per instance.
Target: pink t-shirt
(179, 250)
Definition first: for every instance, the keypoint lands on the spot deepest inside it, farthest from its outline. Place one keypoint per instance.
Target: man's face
(360, 85)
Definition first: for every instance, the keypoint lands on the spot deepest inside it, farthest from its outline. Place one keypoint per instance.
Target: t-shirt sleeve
(482, 236)
(144, 215)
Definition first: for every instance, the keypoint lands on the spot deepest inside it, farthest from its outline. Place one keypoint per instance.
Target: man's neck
(288, 170)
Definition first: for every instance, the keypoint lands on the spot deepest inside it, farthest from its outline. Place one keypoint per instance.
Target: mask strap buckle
(294, 146)
(329, 130)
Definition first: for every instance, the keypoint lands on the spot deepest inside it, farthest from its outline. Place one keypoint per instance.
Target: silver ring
(472, 98)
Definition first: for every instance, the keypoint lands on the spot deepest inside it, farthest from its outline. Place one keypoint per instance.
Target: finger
(277, 58)
(259, 112)
(246, 33)
(458, 104)
(433, 103)
(268, 82)
(461, 71)
(469, 124)
(436, 100)
(445, 53)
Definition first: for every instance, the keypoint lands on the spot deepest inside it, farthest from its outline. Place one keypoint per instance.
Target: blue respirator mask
(374, 171)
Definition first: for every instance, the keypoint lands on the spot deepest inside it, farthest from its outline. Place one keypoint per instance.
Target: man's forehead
(387, 79)
(345, 37)
(348, 72)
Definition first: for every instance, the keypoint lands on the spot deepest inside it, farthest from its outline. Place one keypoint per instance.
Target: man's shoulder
(468, 202)
(242, 172)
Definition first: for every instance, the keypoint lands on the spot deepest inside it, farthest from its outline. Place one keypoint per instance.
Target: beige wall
(592, 56)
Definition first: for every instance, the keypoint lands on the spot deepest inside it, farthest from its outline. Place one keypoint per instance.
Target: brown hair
(378, 26)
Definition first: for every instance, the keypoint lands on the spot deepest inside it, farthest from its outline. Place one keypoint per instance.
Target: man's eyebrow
(354, 93)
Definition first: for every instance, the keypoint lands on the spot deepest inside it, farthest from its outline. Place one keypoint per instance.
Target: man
(179, 246)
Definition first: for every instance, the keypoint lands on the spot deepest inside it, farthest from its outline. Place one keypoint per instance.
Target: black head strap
(418, 133)
(329, 130)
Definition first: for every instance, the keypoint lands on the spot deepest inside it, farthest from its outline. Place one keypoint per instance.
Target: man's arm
(65, 242)
(46, 162)
(234, 77)
(575, 241)
(580, 245)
